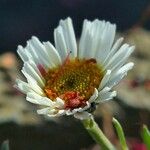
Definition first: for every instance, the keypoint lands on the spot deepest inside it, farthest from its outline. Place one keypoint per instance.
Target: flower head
(67, 80)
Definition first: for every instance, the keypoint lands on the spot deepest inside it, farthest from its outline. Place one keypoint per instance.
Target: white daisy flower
(70, 80)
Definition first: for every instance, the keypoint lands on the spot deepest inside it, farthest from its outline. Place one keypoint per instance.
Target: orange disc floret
(74, 81)
(50, 94)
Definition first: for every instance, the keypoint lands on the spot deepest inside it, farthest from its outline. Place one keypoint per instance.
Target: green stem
(121, 135)
(96, 133)
(146, 136)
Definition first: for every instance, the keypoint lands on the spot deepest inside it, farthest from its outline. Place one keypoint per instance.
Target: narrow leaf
(120, 134)
(146, 136)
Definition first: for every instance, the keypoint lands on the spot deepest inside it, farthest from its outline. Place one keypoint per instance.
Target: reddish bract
(73, 100)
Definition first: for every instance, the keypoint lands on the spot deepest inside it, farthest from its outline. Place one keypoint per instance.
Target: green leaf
(5, 145)
(146, 136)
(120, 134)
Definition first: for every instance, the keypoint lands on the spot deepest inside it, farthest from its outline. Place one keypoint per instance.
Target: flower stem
(96, 133)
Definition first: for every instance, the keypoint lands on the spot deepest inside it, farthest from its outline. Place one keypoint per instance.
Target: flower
(71, 80)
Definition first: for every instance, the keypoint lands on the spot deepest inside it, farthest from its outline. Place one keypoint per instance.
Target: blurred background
(19, 123)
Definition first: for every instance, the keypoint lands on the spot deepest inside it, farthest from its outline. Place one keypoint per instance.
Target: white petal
(65, 41)
(35, 67)
(116, 77)
(84, 39)
(71, 112)
(120, 57)
(53, 54)
(107, 38)
(24, 55)
(80, 109)
(60, 43)
(57, 114)
(30, 70)
(82, 115)
(94, 96)
(29, 53)
(106, 96)
(105, 79)
(43, 55)
(104, 90)
(126, 68)
(22, 86)
(123, 61)
(37, 99)
(69, 36)
(113, 50)
(33, 83)
(46, 111)
(88, 52)
(51, 112)
(31, 50)
(59, 103)
(96, 39)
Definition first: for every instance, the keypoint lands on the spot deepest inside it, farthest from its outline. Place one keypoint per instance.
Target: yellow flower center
(74, 81)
